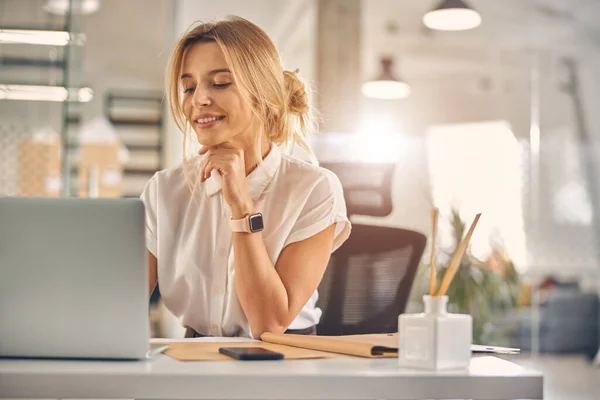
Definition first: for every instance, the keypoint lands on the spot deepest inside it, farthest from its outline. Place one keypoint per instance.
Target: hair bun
(295, 90)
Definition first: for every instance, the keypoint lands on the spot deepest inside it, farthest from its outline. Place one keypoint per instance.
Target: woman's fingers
(209, 155)
(206, 172)
(214, 164)
(208, 164)
(221, 157)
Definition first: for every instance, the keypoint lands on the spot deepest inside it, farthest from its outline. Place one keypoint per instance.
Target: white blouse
(192, 241)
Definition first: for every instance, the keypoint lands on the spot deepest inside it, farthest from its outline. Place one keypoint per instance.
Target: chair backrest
(368, 280)
(367, 187)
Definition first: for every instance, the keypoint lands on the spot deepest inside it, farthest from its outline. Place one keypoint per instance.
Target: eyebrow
(213, 72)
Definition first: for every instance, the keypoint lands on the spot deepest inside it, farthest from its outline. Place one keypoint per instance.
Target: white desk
(343, 378)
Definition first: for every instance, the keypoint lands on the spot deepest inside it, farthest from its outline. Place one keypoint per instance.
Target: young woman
(239, 237)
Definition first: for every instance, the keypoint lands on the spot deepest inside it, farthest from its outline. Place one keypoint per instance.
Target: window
(476, 167)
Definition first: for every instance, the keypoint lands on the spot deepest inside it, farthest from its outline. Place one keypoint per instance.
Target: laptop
(73, 279)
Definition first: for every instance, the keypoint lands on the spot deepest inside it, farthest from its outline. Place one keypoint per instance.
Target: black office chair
(368, 280)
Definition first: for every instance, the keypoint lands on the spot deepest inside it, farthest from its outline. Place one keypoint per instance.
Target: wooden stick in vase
(457, 258)
(433, 271)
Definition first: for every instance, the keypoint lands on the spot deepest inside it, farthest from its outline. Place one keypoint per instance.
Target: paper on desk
(391, 340)
(477, 349)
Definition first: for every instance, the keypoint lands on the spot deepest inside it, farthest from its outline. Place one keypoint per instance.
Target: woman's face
(212, 102)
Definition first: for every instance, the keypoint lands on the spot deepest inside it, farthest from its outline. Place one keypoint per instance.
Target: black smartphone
(250, 353)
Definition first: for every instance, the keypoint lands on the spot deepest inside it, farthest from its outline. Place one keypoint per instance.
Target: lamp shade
(452, 15)
(386, 86)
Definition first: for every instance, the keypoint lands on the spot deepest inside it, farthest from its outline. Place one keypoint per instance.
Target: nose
(201, 97)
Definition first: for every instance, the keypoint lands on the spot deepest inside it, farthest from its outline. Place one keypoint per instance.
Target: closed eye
(221, 85)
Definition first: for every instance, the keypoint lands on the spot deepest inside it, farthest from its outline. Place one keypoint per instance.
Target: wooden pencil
(457, 258)
(433, 269)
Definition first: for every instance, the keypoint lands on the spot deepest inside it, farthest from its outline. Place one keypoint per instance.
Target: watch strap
(240, 225)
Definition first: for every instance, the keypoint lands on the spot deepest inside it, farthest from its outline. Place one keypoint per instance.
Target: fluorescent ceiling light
(452, 15)
(61, 7)
(48, 38)
(45, 93)
(386, 86)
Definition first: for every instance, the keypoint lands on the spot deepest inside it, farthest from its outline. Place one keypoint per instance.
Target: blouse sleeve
(324, 206)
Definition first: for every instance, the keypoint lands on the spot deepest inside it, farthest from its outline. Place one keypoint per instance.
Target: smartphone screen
(250, 353)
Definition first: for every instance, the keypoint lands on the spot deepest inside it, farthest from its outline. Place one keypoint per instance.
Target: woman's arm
(272, 297)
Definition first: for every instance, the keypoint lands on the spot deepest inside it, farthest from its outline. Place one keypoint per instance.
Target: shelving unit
(138, 119)
(33, 72)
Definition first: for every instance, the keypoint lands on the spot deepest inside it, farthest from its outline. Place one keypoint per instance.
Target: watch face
(256, 223)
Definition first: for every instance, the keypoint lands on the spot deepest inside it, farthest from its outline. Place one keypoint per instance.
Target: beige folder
(376, 345)
(371, 346)
(209, 351)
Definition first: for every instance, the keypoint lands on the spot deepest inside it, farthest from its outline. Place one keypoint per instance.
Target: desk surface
(339, 378)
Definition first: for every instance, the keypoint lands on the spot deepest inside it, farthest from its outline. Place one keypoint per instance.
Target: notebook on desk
(370, 346)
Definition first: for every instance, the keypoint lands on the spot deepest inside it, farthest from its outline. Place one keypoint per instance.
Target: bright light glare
(376, 142)
(452, 19)
(84, 95)
(48, 38)
(385, 90)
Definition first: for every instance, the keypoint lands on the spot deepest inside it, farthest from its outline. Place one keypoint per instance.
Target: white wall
(126, 47)
(295, 35)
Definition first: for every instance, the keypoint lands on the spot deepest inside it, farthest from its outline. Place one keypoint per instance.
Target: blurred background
(476, 106)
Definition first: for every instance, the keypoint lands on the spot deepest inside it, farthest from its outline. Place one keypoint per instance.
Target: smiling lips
(208, 121)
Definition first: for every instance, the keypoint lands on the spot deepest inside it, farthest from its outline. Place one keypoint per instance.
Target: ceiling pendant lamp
(452, 15)
(386, 86)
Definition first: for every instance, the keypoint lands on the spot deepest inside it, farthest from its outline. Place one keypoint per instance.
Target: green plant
(484, 289)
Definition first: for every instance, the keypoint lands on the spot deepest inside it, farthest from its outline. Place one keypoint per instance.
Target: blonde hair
(278, 98)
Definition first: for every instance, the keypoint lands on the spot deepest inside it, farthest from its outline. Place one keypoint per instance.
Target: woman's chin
(211, 140)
